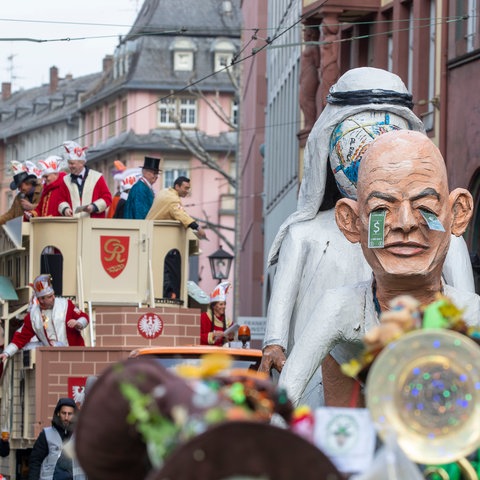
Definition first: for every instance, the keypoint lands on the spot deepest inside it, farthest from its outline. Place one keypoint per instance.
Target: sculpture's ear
(461, 203)
(346, 216)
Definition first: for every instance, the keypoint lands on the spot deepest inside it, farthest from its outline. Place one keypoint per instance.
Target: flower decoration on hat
(52, 164)
(219, 294)
(219, 394)
(75, 151)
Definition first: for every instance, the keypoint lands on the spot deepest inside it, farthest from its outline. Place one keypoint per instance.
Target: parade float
(114, 271)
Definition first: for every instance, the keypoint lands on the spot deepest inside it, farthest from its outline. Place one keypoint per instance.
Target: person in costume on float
(141, 195)
(53, 179)
(214, 322)
(55, 321)
(82, 187)
(128, 179)
(168, 206)
(403, 220)
(29, 192)
(118, 172)
(311, 253)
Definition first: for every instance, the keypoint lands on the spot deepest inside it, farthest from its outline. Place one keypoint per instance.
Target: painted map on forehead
(349, 141)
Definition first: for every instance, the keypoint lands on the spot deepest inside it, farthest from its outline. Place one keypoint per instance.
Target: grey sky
(31, 61)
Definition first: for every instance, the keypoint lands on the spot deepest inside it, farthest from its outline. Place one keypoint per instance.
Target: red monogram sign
(114, 254)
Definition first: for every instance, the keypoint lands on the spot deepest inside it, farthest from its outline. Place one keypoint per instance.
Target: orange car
(169, 357)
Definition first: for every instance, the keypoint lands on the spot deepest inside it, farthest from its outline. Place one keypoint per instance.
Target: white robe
(343, 316)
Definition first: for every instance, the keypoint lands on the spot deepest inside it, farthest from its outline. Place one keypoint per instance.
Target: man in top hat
(141, 195)
(55, 321)
(168, 206)
(53, 179)
(29, 192)
(84, 191)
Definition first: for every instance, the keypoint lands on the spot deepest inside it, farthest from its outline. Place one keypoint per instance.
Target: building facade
(249, 243)
(433, 45)
(35, 120)
(168, 91)
(170, 94)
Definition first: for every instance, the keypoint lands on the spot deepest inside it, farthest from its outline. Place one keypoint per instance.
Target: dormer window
(223, 51)
(183, 53)
(183, 61)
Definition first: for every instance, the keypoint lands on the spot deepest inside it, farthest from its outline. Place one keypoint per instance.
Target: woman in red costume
(213, 322)
(48, 204)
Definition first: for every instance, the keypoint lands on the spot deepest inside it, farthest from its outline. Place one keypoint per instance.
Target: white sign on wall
(256, 325)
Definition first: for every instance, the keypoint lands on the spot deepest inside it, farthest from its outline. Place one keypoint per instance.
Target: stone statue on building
(329, 53)
(309, 65)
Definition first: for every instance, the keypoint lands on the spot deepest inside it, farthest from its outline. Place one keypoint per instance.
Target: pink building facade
(145, 107)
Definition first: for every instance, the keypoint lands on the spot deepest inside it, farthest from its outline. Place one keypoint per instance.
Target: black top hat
(151, 163)
(19, 178)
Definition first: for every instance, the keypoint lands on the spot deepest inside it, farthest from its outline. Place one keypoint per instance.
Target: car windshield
(171, 361)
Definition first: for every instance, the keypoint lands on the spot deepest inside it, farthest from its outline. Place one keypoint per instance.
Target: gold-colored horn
(425, 387)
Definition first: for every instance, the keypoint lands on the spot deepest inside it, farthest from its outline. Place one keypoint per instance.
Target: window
(188, 111)
(123, 125)
(471, 25)
(222, 60)
(91, 128)
(112, 117)
(183, 54)
(429, 116)
(223, 51)
(183, 109)
(171, 174)
(234, 114)
(183, 61)
(100, 126)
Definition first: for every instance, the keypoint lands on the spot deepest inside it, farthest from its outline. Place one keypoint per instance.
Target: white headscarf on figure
(358, 90)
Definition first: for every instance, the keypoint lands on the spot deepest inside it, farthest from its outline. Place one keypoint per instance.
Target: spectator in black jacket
(49, 444)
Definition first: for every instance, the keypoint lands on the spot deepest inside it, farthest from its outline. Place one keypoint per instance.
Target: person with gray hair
(311, 253)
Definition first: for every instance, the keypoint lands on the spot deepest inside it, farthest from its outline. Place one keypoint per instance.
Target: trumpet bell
(425, 387)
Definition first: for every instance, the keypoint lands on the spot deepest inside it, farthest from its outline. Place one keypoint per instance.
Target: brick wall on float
(116, 326)
(116, 335)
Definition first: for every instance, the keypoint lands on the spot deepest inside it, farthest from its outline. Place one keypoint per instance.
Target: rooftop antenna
(11, 68)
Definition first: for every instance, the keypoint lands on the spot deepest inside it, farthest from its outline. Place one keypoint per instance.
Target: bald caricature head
(403, 180)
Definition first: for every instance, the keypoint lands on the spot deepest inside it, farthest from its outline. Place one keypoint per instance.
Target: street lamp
(220, 263)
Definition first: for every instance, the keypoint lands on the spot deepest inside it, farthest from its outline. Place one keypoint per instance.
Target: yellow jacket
(16, 209)
(167, 206)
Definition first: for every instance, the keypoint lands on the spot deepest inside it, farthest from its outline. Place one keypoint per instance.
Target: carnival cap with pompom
(52, 164)
(75, 151)
(219, 294)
